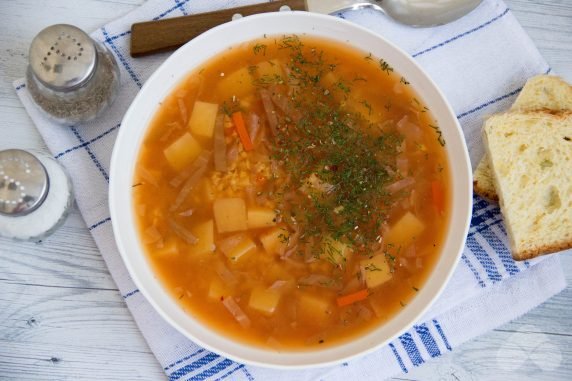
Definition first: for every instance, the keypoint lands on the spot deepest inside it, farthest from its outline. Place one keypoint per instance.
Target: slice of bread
(483, 183)
(531, 161)
(543, 92)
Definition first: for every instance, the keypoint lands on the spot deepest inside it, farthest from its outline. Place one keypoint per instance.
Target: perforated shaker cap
(24, 182)
(62, 57)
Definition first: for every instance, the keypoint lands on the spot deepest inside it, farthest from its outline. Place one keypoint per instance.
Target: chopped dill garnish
(284, 238)
(338, 171)
(266, 80)
(440, 137)
(342, 86)
(404, 81)
(230, 107)
(366, 105)
(372, 267)
(385, 66)
(136, 185)
(415, 289)
(368, 57)
(259, 48)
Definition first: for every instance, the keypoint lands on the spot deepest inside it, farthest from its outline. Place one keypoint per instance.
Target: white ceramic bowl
(186, 59)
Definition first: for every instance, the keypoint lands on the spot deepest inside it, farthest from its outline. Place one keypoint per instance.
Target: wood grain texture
(168, 34)
(62, 318)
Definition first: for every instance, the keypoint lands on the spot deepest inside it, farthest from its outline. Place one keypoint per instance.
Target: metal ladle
(154, 36)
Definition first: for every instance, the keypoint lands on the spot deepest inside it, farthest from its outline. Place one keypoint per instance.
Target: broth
(292, 192)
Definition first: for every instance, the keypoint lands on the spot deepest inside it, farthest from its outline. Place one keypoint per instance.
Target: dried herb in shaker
(70, 76)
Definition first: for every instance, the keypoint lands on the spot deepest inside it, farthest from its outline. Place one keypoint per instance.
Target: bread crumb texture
(531, 161)
(546, 93)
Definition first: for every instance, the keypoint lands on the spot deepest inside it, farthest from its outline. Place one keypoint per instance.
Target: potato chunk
(404, 231)
(269, 69)
(169, 248)
(335, 252)
(260, 218)
(230, 215)
(313, 309)
(264, 300)
(375, 270)
(237, 247)
(237, 84)
(275, 241)
(182, 151)
(205, 233)
(203, 119)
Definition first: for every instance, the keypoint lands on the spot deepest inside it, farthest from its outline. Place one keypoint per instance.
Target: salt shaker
(71, 77)
(35, 195)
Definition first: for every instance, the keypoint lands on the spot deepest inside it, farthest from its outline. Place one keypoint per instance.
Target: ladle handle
(168, 34)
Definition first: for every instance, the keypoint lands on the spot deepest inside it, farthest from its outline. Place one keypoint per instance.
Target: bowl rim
(123, 224)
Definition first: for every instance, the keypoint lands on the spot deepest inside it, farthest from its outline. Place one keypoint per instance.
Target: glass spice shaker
(35, 195)
(70, 76)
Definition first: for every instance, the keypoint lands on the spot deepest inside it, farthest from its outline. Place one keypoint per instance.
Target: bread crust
(543, 250)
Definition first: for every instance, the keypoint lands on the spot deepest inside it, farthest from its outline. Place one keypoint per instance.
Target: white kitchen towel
(480, 62)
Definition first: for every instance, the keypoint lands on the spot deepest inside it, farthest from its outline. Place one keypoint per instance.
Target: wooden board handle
(154, 36)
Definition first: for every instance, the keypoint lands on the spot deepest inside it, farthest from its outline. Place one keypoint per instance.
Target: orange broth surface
(292, 192)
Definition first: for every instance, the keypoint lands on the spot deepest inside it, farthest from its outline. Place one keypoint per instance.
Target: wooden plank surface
(62, 318)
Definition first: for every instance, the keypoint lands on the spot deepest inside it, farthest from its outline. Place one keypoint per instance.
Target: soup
(292, 192)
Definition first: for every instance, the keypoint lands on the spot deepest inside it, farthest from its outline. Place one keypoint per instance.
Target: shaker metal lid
(24, 182)
(62, 57)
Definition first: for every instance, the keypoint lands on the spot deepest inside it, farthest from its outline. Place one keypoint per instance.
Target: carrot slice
(438, 196)
(352, 298)
(238, 121)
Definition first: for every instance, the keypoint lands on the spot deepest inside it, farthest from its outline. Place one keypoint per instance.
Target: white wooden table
(62, 317)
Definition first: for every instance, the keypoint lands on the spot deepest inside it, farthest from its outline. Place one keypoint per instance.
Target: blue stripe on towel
(428, 340)
(484, 258)
(247, 374)
(502, 251)
(399, 360)
(212, 371)
(121, 58)
(498, 99)
(442, 334)
(91, 154)
(488, 103)
(230, 372)
(480, 203)
(482, 214)
(184, 359)
(99, 223)
(130, 293)
(181, 7)
(462, 34)
(123, 34)
(210, 357)
(411, 349)
(87, 143)
(163, 14)
(473, 270)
